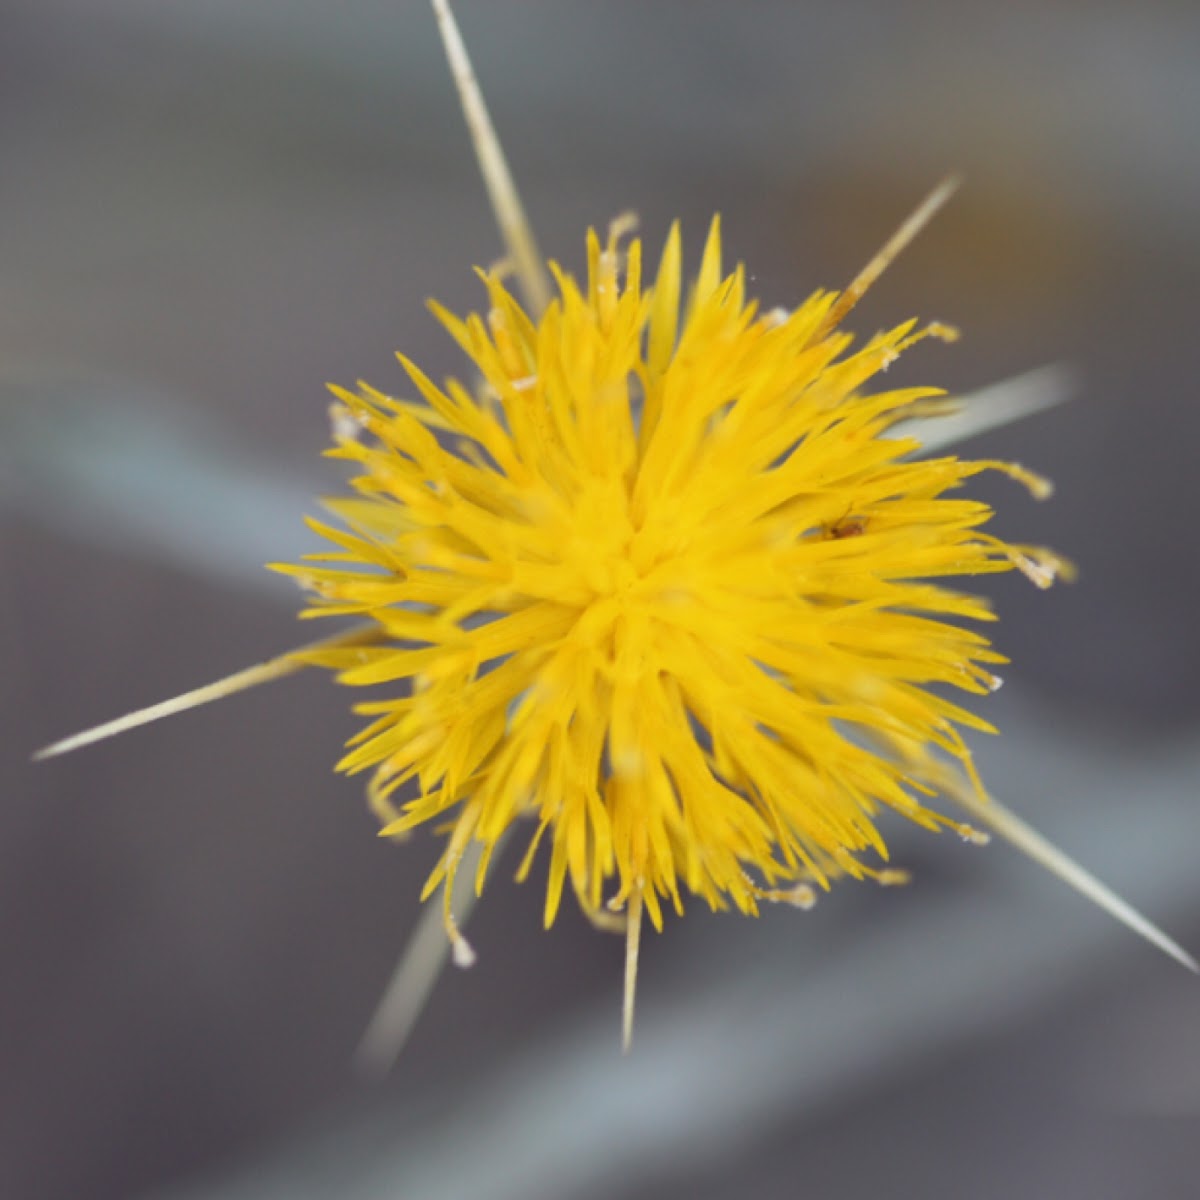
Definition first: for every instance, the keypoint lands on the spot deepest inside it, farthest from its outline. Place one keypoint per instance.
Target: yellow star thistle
(662, 583)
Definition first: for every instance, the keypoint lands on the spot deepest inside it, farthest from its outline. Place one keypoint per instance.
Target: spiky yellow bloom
(664, 583)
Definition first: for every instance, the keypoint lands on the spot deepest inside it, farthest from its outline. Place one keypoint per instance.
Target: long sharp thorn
(240, 681)
(633, 936)
(991, 407)
(502, 190)
(917, 220)
(1025, 838)
(420, 966)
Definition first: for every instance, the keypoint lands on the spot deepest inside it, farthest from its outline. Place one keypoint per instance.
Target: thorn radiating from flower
(267, 672)
(633, 941)
(1027, 839)
(413, 980)
(989, 408)
(502, 190)
(892, 248)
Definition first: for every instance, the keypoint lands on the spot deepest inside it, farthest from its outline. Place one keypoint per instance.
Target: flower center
(611, 575)
(599, 548)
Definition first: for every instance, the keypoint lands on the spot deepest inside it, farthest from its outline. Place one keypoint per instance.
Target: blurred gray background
(208, 208)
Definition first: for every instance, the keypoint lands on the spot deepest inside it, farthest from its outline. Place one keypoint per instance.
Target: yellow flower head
(667, 579)
(664, 583)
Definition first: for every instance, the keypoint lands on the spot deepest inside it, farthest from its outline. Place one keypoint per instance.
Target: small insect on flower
(664, 581)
